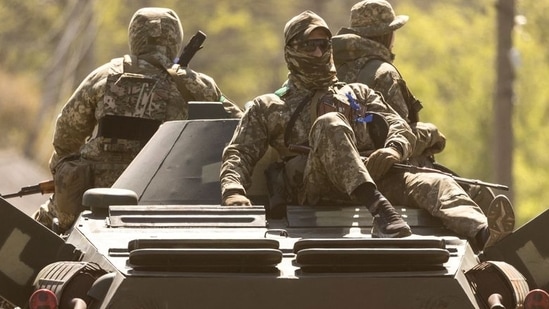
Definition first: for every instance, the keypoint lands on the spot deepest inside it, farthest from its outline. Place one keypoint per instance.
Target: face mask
(309, 71)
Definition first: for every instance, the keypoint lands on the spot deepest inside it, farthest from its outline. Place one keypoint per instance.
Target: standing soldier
(117, 108)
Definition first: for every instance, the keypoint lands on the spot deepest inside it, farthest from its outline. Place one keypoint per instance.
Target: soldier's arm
(248, 145)
(386, 82)
(76, 121)
(204, 88)
(399, 132)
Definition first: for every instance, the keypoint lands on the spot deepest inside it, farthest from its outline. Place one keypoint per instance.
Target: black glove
(236, 199)
(381, 160)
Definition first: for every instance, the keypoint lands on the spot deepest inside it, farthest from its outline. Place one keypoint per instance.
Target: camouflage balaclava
(155, 30)
(305, 70)
(370, 18)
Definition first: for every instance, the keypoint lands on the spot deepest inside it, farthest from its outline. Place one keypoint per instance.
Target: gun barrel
(10, 195)
(302, 149)
(43, 187)
(418, 169)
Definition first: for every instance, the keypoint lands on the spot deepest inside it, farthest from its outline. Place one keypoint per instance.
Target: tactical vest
(137, 92)
(135, 103)
(342, 100)
(371, 66)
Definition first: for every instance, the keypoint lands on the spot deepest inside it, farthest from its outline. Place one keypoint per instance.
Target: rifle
(194, 45)
(43, 187)
(418, 169)
(302, 149)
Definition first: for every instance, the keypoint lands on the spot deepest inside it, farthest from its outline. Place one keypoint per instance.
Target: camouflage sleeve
(399, 130)
(429, 139)
(247, 147)
(387, 83)
(76, 121)
(204, 88)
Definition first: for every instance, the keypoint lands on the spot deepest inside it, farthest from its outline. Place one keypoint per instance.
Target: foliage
(28, 32)
(18, 108)
(532, 109)
(446, 53)
(443, 73)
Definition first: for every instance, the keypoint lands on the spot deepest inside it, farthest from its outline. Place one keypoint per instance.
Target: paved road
(17, 172)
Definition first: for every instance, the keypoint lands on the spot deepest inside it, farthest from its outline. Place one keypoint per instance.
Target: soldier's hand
(381, 160)
(438, 142)
(236, 199)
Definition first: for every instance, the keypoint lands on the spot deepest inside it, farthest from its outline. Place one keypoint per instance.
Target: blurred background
(479, 68)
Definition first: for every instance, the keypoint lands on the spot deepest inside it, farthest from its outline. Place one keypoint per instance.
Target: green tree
(531, 110)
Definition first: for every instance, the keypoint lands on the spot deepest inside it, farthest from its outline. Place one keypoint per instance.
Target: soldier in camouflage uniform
(363, 53)
(313, 109)
(118, 107)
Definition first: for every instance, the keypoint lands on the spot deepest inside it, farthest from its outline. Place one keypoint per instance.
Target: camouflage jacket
(265, 121)
(352, 53)
(76, 125)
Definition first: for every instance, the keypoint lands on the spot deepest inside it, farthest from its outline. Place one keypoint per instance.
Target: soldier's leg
(49, 211)
(44, 215)
(501, 220)
(482, 195)
(444, 198)
(334, 162)
(72, 178)
(334, 158)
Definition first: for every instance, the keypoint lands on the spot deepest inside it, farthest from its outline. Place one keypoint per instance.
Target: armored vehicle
(160, 239)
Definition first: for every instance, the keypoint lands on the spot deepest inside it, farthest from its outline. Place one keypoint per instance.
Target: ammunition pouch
(276, 186)
(72, 177)
(345, 104)
(378, 128)
(128, 128)
(327, 106)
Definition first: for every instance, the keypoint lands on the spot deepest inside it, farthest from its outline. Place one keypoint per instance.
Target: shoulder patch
(282, 91)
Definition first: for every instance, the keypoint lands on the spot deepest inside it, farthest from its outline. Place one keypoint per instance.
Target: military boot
(387, 223)
(501, 220)
(481, 195)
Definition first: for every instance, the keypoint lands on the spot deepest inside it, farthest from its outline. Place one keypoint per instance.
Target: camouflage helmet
(300, 26)
(155, 29)
(375, 17)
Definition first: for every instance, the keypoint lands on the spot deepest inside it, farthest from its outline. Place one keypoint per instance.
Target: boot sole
(501, 219)
(400, 234)
(376, 233)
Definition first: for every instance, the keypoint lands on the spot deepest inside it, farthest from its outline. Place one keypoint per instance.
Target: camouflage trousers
(439, 194)
(482, 195)
(333, 169)
(72, 178)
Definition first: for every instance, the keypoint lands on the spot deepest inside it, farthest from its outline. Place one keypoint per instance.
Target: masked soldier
(363, 53)
(118, 107)
(329, 118)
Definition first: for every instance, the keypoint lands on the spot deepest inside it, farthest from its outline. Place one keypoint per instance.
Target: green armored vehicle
(159, 239)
